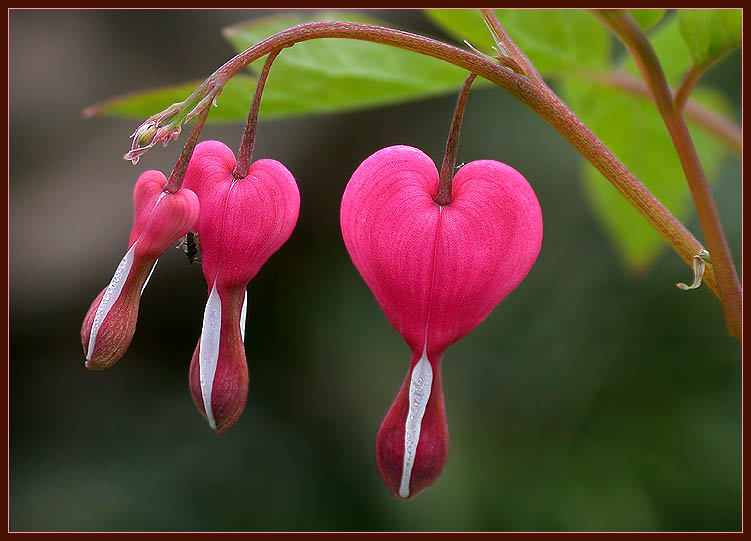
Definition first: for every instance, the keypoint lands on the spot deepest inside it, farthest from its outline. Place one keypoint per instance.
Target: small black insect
(189, 245)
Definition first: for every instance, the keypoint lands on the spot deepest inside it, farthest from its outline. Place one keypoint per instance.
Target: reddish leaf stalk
(178, 172)
(687, 85)
(543, 102)
(443, 196)
(245, 154)
(628, 31)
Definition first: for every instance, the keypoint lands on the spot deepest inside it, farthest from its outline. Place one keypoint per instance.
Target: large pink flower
(437, 272)
(242, 223)
(160, 218)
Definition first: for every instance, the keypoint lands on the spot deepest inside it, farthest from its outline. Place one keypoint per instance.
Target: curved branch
(538, 97)
(687, 85)
(626, 29)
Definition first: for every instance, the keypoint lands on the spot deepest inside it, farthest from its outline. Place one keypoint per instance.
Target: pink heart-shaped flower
(242, 223)
(437, 272)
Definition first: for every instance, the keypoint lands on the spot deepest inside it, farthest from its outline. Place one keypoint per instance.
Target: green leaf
(647, 18)
(463, 24)
(232, 105)
(328, 75)
(555, 40)
(633, 129)
(317, 76)
(710, 33)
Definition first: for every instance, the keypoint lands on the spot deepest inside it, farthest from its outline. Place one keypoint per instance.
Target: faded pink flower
(160, 218)
(437, 272)
(242, 223)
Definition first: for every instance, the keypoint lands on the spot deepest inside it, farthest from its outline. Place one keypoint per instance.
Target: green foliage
(232, 104)
(463, 24)
(561, 43)
(647, 18)
(330, 75)
(710, 33)
(633, 129)
(317, 76)
(556, 41)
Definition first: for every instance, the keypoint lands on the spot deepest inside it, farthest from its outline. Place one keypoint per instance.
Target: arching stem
(628, 31)
(443, 196)
(178, 172)
(540, 99)
(245, 154)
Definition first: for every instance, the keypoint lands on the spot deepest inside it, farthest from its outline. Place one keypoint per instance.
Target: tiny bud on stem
(443, 196)
(245, 154)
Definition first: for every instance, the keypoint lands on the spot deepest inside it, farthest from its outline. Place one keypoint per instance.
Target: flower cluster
(439, 253)
(240, 224)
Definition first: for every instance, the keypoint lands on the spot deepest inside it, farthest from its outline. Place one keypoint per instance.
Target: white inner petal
(208, 354)
(149, 276)
(419, 392)
(243, 313)
(111, 294)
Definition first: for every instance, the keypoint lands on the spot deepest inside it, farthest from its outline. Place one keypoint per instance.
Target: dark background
(590, 399)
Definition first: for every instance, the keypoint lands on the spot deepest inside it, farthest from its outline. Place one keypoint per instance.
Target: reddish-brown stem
(245, 154)
(687, 85)
(443, 196)
(508, 45)
(540, 99)
(178, 172)
(723, 128)
(628, 31)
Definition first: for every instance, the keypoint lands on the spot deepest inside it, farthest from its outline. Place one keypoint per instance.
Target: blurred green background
(590, 399)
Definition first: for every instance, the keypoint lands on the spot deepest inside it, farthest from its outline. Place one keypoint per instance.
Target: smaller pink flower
(242, 223)
(160, 218)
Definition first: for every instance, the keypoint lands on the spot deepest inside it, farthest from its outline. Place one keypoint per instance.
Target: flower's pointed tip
(95, 366)
(219, 430)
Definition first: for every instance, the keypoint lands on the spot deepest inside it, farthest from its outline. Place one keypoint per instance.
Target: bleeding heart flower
(437, 272)
(242, 223)
(160, 219)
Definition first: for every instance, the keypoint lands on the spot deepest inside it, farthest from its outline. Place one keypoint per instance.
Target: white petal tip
(208, 354)
(420, 386)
